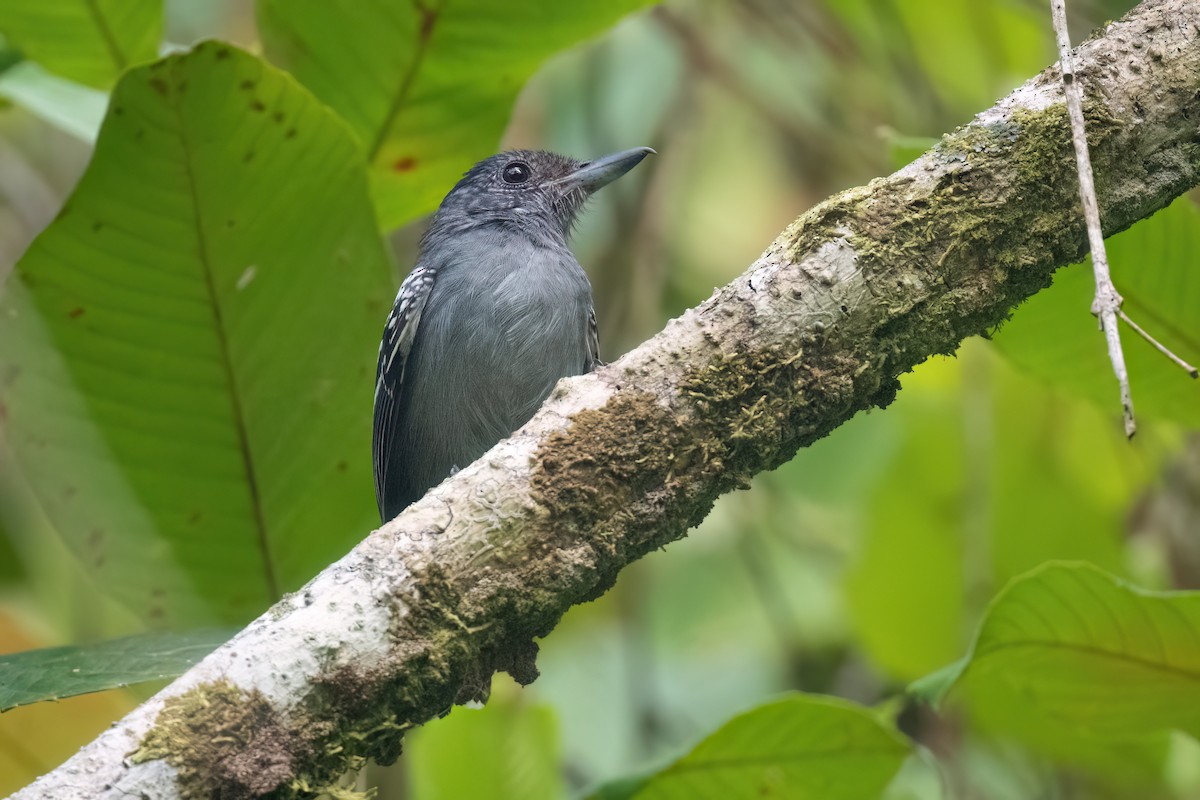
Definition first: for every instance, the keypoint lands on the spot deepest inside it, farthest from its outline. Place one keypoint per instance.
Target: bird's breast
(540, 311)
(495, 338)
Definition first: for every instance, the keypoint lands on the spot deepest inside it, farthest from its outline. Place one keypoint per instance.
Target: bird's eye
(516, 172)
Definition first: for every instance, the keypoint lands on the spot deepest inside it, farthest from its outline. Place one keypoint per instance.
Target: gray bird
(496, 311)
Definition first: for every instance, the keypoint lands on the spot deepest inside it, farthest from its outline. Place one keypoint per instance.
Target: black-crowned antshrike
(496, 310)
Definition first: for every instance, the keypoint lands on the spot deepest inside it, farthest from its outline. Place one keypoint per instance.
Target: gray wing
(398, 336)
(593, 343)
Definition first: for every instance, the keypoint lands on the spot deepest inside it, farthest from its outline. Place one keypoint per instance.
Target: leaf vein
(226, 361)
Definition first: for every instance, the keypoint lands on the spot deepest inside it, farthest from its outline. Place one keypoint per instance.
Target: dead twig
(1185, 366)
(1107, 301)
(1106, 305)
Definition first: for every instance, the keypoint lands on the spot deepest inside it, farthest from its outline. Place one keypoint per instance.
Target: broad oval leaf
(90, 41)
(1053, 335)
(426, 86)
(1075, 645)
(797, 747)
(186, 353)
(55, 673)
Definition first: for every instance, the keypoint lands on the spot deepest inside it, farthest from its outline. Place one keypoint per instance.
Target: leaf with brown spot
(164, 409)
(385, 54)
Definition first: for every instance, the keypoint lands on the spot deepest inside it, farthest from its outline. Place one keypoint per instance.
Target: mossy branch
(621, 462)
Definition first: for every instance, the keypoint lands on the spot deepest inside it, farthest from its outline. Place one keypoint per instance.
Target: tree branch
(624, 461)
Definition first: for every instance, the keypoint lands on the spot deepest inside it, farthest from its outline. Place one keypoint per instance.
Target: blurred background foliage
(868, 562)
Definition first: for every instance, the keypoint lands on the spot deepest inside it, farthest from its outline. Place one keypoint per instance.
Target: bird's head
(531, 191)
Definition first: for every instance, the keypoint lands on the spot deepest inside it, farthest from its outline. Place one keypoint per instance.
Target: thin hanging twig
(1107, 303)
(1188, 368)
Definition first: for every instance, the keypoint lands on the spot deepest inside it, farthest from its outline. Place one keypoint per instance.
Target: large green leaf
(510, 745)
(186, 352)
(427, 86)
(55, 673)
(1077, 664)
(1071, 645)
(1053, 335)
(90, 41)
(797, 747)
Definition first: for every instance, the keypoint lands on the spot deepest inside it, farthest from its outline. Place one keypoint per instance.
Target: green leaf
(1054, 337)
(933, 687)
(54, 673)
(1076, 646)
(90, 41)
(68, 106)
(511, 748)
(187, 352)
(427, 86)
(622, 788)
(799, 746)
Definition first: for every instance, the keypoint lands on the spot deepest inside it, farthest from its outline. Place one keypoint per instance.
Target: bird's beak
(603, 171)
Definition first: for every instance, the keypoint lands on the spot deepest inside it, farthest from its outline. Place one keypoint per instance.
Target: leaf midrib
(226, 362)
(424, 35)
(766, 760)
(1091, 650)
(110, 41)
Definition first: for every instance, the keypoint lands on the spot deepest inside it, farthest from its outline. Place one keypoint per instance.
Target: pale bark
(855, 293)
